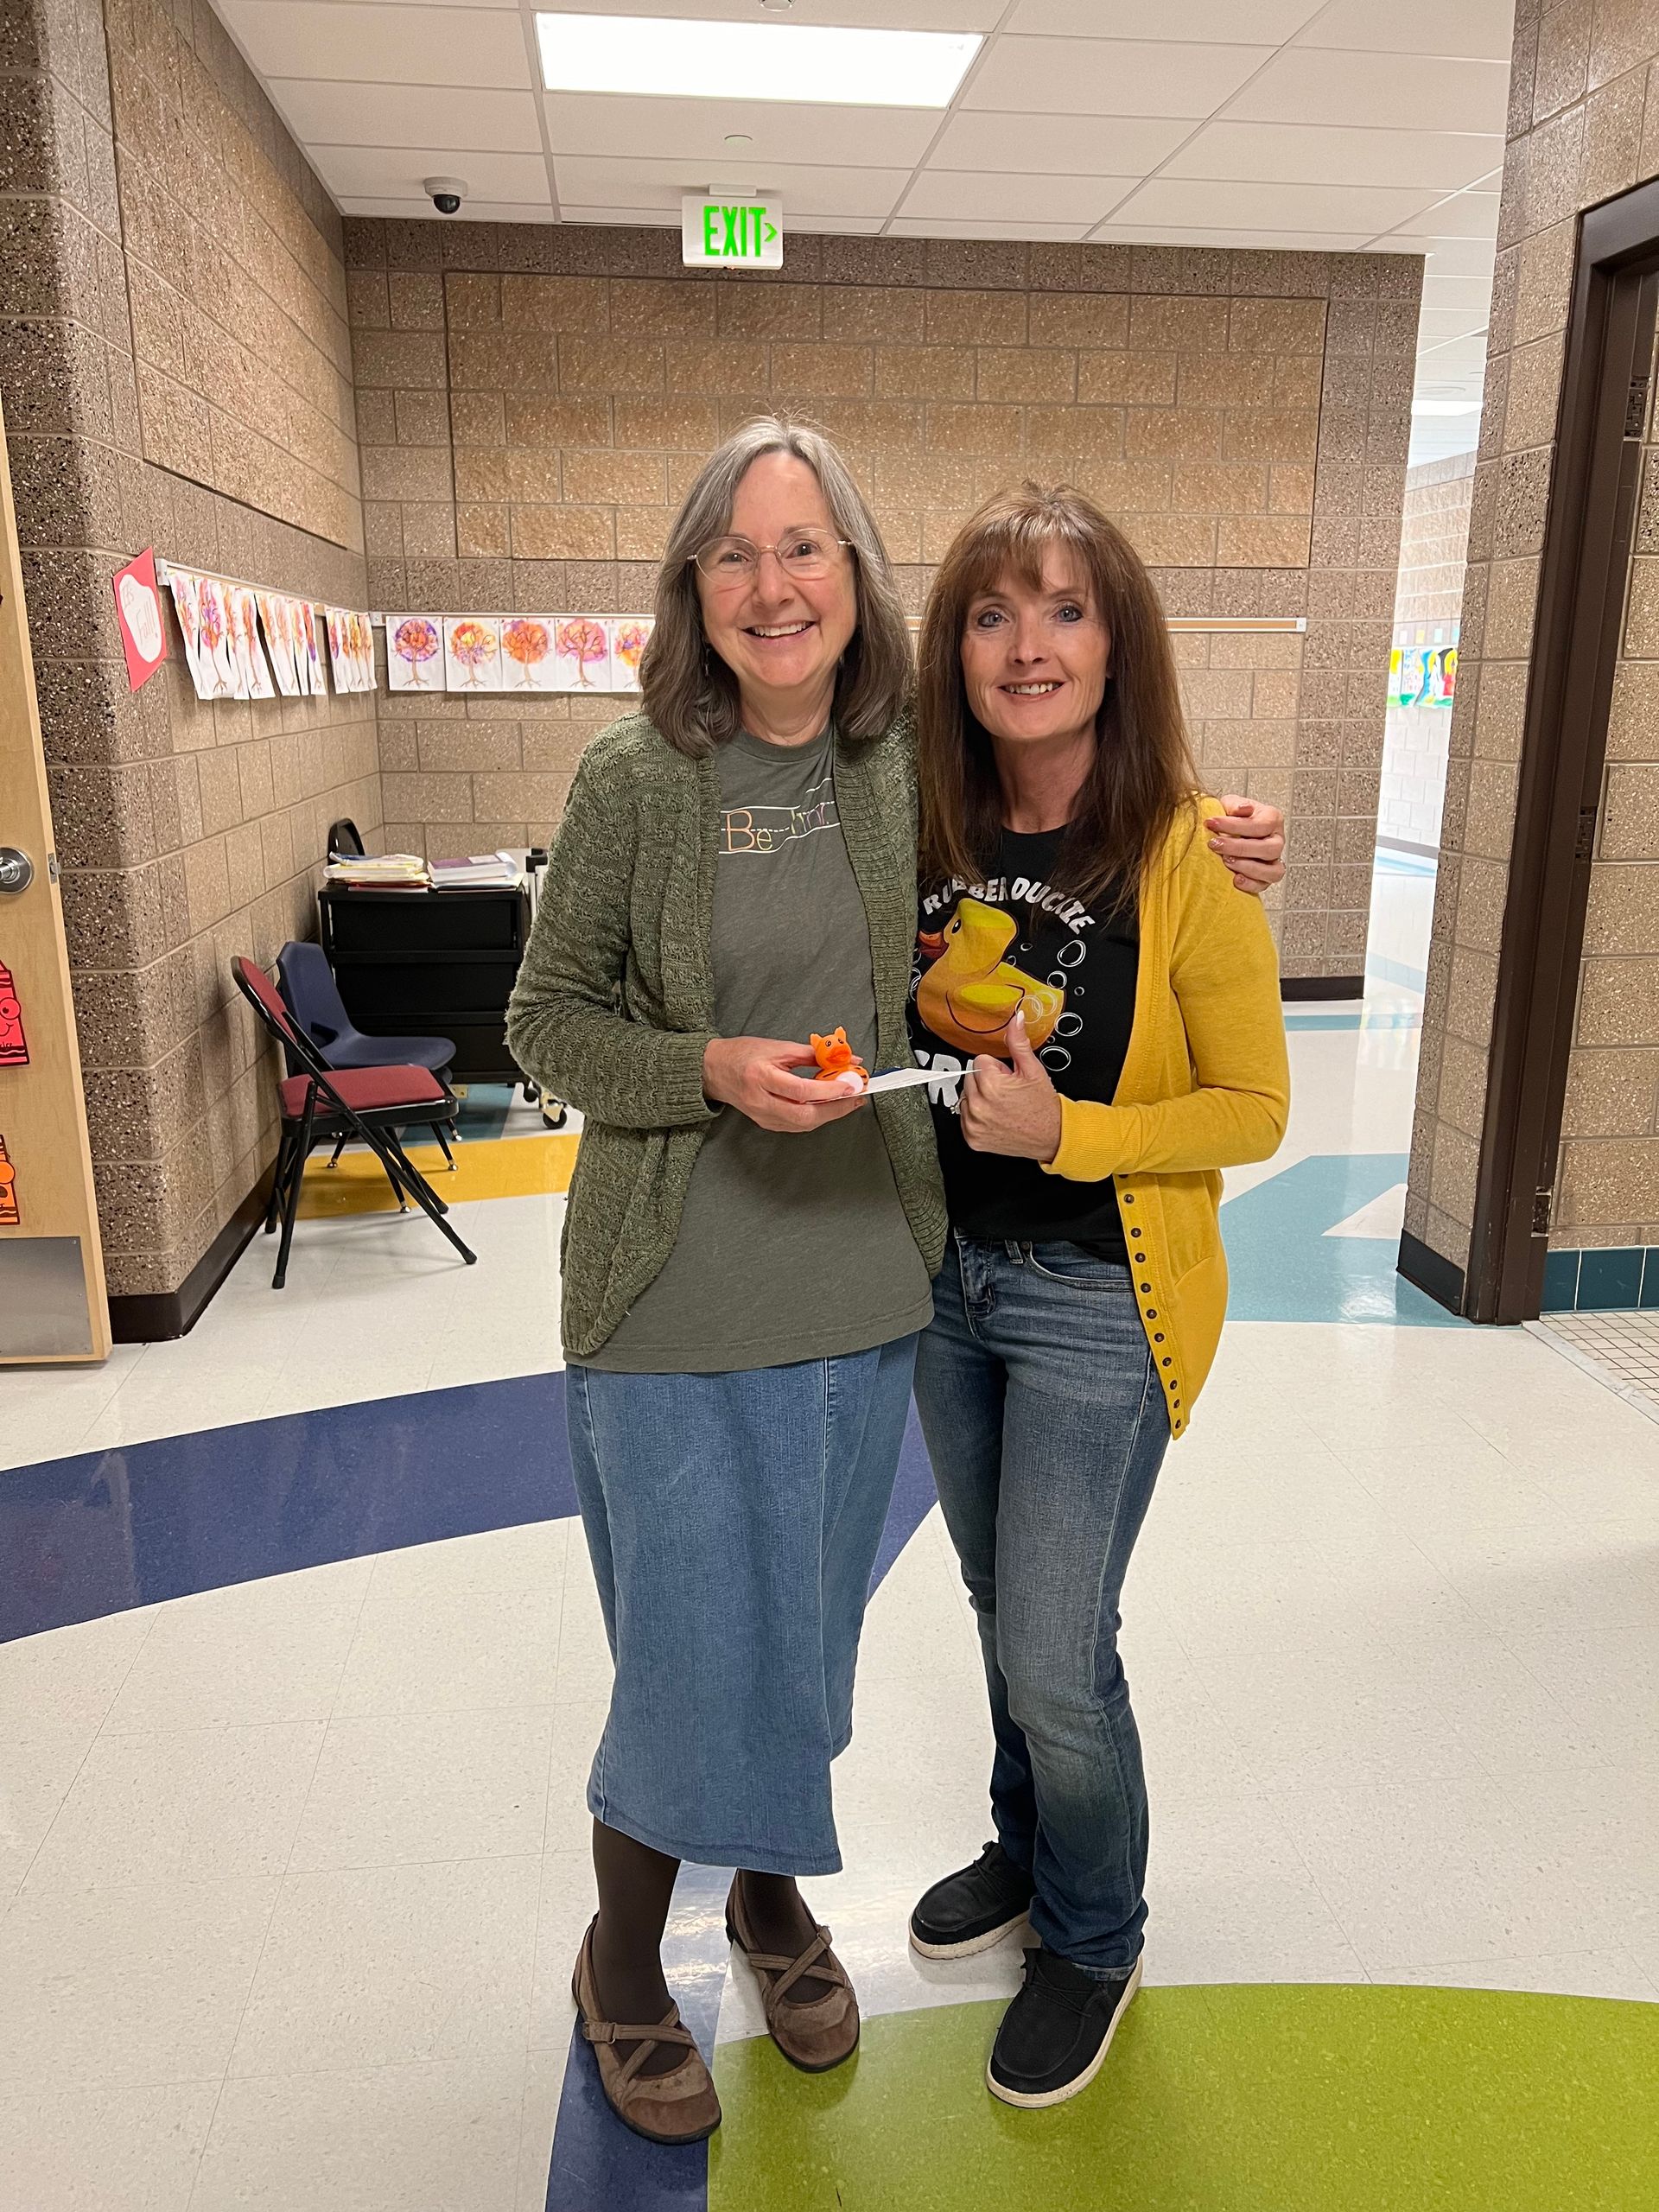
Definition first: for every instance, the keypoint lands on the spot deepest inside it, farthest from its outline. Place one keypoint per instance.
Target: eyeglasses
(803, 554)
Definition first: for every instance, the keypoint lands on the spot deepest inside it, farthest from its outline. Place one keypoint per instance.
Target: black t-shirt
(1015, 942)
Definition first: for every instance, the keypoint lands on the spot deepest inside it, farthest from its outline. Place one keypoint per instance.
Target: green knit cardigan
(614, 1002)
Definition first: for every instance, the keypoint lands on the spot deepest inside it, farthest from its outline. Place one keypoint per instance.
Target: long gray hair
(689, 693)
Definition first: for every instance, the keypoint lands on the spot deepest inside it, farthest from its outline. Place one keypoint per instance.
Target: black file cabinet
(433, 964)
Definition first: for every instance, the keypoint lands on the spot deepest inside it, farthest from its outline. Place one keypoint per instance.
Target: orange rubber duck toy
(836, 1057)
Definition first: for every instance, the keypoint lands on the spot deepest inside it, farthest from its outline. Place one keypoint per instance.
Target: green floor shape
(1259, 2099)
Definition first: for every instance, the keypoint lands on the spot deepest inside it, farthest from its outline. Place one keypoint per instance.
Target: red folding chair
(324, 1103)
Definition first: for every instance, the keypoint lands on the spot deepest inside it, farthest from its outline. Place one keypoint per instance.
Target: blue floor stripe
(106, 1530)
(1283, 1266)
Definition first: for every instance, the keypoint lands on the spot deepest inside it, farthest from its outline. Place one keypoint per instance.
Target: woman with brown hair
(1105, 1017)
(747, 1255)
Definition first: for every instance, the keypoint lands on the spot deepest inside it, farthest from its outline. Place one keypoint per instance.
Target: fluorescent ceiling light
(1446, 407)
(671, 58)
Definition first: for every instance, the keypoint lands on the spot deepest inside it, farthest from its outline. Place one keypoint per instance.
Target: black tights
(636, 1886)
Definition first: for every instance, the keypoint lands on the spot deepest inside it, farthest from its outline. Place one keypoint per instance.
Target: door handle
(16, 869)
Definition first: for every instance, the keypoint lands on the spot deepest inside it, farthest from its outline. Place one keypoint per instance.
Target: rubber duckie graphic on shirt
(969, 992)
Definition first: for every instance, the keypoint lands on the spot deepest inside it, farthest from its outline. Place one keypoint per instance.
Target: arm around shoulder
(565, 1026)
(1224, 977)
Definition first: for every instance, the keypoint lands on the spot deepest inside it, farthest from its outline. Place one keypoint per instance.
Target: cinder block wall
(175, 365)
(1584, 125)
(533, 402)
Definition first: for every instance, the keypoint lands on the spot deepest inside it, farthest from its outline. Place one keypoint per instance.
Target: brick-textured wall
(234, 278)
(1583, 124)
(533, 402)
(1434, 540)
(186, 833)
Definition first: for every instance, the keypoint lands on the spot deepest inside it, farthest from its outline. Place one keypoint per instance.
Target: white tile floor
(291, 1875)
(1622, 1348)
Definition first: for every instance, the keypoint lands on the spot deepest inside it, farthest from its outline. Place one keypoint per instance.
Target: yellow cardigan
(1205, 1085)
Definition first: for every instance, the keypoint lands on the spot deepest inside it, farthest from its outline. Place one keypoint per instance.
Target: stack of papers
(379, 871)
(477, 872)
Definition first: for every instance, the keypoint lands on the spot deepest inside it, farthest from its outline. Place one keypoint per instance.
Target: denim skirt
(732, 1521)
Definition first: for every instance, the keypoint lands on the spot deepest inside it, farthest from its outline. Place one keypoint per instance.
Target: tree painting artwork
(187, 605)
(309, 651)
(276, 617)
(472, 648)
(9, 1216)
(213, 630)
(14, 1045)
(581, 645)
(415, 641)
(527, 642)
(627, 645)
(252, 672)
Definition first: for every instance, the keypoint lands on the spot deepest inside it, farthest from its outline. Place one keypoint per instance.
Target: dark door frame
(1583, 580)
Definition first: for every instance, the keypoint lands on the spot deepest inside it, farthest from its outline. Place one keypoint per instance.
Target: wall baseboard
(1431, 1273)
(1322, 987)
(154, 1316)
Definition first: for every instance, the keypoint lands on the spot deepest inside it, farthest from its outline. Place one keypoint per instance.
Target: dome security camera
(446, 193)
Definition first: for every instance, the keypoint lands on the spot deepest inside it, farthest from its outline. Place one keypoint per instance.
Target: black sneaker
(1055, 2036)
(972, 1909)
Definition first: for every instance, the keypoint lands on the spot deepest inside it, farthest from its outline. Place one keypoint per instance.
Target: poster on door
(14, 1045)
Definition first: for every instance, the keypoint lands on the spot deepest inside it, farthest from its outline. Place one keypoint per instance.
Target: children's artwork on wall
(9, 1216)
(138, 611)
(187, 605)
(308, 651)
(14, 1045)
(252, 672)
(351, 649)
(583, 654)
(214, 636)
(1423, 665)
(527, 644)
(413, 642)
(628, 636)
(471, 652)
(279, 616)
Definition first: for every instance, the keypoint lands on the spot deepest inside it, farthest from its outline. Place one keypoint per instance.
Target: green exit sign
(730, 233)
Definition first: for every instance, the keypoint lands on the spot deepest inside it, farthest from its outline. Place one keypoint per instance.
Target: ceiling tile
(605, 124)
(367, 40)
(1481, 29)
(1115, 233)
(1315, 153)
(453, 117)
(1091, 76)
(1270, 21)
(477, 210)
(1446, 256)
(647, 218)
(1369, 89)
(1441, 291)
(1436, 323)
(396, 171)
(1462, 215)
(971, 194)
(1194, 201)
(1071, 145)
(858, 15)
(583, 180)
(942, 226)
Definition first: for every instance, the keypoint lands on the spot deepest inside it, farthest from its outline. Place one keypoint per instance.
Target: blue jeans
(732, 1521)
(1046, 1428)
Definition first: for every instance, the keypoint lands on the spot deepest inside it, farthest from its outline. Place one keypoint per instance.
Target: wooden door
(52, 1301)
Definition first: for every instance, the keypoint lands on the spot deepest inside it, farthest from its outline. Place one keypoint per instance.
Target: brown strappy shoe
(814, 2036)
(678, 2106)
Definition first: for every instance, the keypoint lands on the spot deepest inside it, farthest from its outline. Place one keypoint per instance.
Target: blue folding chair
(312, 996)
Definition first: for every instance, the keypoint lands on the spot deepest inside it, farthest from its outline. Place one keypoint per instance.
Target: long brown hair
(1142, 774)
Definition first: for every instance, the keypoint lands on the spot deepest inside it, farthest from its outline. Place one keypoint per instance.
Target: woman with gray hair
(748, 1253)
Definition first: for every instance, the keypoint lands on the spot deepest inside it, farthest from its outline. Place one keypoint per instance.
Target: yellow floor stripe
(501, 1168)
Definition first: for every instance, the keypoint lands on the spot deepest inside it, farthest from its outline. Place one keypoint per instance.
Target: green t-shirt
(791, 1247)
